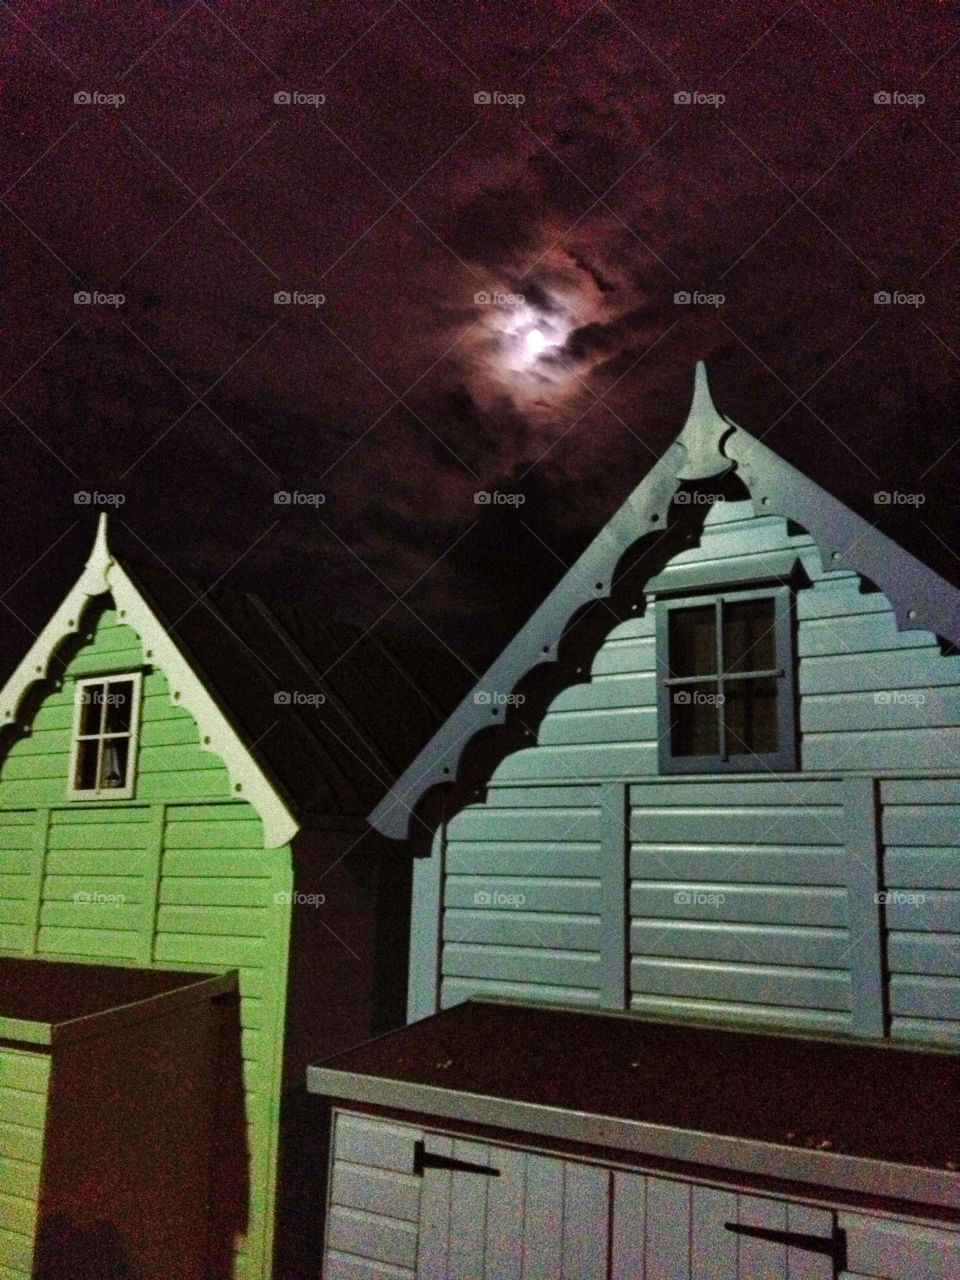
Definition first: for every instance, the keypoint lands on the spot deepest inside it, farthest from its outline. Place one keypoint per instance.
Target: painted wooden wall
(188, 883)
(526, 878)
(24, 1082)
(551, 1218)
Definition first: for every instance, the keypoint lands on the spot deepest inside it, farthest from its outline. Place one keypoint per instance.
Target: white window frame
(105, 793)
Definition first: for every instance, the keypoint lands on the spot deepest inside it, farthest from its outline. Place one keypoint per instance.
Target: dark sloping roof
(331, 714)
(709, 446)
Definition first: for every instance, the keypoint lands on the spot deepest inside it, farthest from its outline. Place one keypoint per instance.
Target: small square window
(725, 671)
(106, 716)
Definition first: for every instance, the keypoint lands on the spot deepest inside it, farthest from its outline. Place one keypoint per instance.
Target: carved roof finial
(702, 434)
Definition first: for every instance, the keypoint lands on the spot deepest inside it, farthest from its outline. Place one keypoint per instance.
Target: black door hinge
(834, 1246)
(424, 1159)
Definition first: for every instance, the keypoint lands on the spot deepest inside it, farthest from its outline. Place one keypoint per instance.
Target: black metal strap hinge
(834, 1246)
(424, 1159)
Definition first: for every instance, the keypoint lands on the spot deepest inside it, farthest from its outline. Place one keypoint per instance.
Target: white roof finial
(702, 432)
(94, 580)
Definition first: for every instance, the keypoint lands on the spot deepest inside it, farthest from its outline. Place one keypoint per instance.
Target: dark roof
(383, 697)
(876, 1100)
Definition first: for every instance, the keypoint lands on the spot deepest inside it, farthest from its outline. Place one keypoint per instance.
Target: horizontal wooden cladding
(29, 1072)
(885, 1247)
(839, 596)
(215, 891)
(629, 724)
(809, 865)
(752, 904)
(850, 673)
(741, 983)
(881, 709)
(619, 760)
(385, 1191)
(571, 896)
(806, 824)
(88, 943)
(625, 657)
(373, 1236)
(606, 693)
(513, 858)
(923, 996)
(924, 953)
(233, 922)
(18, 1214)
(375, 1144)
(342, 1266)
(21, 1142)
(929, 909)
(758, 944)
(210, 949)
(769, 791)
(560, 823)
(565, 795)
(21, 1107)
(859, 633)
(921, 824)
(456, 990)
(16, 1255)
(880, 750)
(540, 965)
(523, 929)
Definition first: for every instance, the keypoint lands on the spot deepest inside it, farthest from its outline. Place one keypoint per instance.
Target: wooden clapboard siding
(177, 877)
(746, 908)
(373, 1201)
(24, 1082)
(921, 835)
(521, 897)
(871, 698)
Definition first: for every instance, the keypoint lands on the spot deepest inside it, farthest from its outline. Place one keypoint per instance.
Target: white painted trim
(112, 793)
(101, 575)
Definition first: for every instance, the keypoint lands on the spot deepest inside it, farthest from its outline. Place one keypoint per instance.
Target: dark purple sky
(598, 198)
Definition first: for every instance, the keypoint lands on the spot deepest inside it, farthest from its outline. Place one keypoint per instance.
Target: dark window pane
(750, 715)
(90, 697)
(85, 778)
(119, 706)
(749, 635)
(693, 641)
(113, 769)
(694, 720)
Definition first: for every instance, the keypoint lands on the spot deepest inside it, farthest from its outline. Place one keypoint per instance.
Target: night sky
(785, 189)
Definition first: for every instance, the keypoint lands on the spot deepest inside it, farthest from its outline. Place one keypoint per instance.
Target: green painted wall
(24, 1079)
(187, 881)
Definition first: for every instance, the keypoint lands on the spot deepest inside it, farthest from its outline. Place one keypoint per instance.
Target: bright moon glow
(535, 342)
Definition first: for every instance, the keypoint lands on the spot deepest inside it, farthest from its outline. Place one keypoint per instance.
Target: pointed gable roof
(228, 654)
(709, 446)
